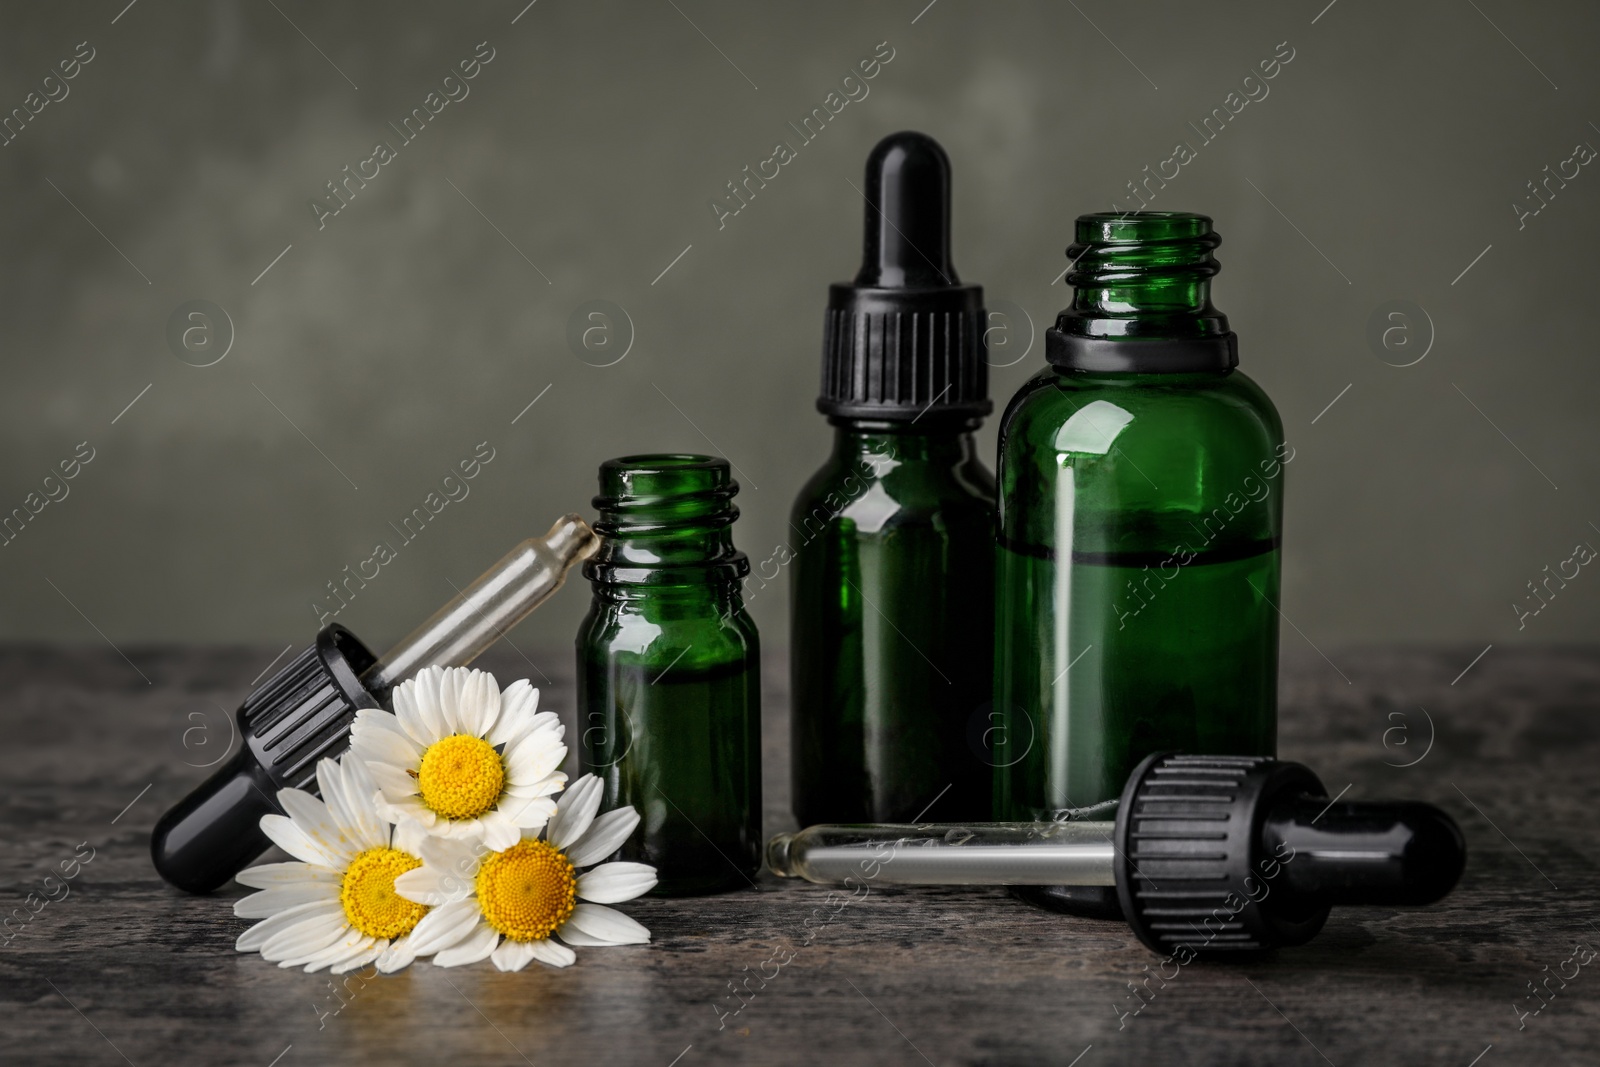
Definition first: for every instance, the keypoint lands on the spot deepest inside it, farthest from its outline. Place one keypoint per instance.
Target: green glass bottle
(892, 591)
(1140, 518)
(668, 672)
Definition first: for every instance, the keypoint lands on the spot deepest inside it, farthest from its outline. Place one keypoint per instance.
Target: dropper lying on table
(1208, 853)
(303, 713)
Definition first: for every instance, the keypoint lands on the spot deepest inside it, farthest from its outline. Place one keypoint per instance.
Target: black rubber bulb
(1365, 852)
(907, 239)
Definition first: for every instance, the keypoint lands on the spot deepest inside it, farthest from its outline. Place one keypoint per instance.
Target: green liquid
(1147, 660)
(683, 746)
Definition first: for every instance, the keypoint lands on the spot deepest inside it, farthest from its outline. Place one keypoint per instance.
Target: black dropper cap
(299, 716)
(1224, 854)
(904, 341)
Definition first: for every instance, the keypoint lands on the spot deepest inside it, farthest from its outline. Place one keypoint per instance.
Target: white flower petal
(459, 857)
(488, 705)
(312, 816)
(330, 786)
(543, 788)
(606, 834)
(385, 746)
(477, 946)
(444, 926)
(463, 830)
(553, 952)
(575, 811)
(453, 710)
(258, 935)
(370, 719)
(306, 938)
(528, 813)
(426, 699)
(352, 812)
(353, 945)
(404, 699)
(398, 955)
(534, 757)
(512, 955)
(283, 832)
(431, 886)
(370, 828)
(283, 897)
(612, 883)
(408, 837)
(472, 699)
(408, 810)
(499, 831)
(361, 959)
(577, 938)
(544, 722)
(267, 875)
(452, 683)
(544, 727)
(518, 703)
(395, 783)
(607, 924)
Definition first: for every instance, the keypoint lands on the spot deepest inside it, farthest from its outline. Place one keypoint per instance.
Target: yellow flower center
(527, 891)
(461, 777)
(368, 896)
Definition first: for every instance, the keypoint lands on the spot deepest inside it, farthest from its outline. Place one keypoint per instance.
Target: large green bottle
(668, 672)
(1140, 517)
(892, 589)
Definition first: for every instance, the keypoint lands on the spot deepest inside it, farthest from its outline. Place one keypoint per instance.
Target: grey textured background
(407, 330)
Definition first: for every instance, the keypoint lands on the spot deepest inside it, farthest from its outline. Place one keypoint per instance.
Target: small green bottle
(669, 689)
(892, 582)
(1141, 510)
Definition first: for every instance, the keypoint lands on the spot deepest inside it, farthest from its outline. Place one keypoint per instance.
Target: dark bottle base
(699, 872)
(691, 885)
(1084, 901)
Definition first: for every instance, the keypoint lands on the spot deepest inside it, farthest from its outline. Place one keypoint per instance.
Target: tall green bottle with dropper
(1140, 514)
(892, 580)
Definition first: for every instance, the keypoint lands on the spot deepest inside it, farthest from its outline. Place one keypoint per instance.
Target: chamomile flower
(461, 758)
(510, 904)
(334, 905)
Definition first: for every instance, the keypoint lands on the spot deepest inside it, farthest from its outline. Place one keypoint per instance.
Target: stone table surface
(126, 970)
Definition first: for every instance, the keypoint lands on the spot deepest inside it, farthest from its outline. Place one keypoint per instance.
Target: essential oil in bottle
(892, 581)
(1141, 510)
(669, 691)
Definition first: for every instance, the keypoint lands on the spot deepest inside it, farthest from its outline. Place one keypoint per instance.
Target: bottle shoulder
(1065, 412)
(889, 487)
(1139, 457)
(717, 628)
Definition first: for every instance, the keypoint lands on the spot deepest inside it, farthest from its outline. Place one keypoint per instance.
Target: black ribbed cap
(906, 337)
(1190, 869)
(299, 716)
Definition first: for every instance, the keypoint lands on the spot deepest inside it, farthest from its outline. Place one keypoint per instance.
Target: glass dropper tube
(996, 853)
(480, 614)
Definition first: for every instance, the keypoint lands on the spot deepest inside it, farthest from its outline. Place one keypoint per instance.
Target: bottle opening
(664, 482)
(1118, 227)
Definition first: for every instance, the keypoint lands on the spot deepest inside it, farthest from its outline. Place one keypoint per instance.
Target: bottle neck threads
(666, 519)
(1142, 297)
